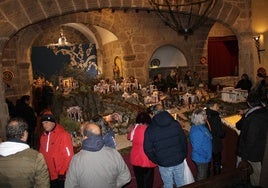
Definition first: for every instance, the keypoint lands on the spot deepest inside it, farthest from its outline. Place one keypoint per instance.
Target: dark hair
(262, 71)
(211, 103)
(102, 123)
(25, 98)
(15, 128)
(155, 109)
(144, 118)
(260, 75)
(253, 99)
(245, 76)
(150, 110)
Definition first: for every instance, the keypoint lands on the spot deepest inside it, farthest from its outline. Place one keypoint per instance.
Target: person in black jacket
(244, 83)
(26, 112)
(172, 80)
(253, 133)
(165, 144)
(160, 82)
(215, 126)
(260, 88)
(11, 108)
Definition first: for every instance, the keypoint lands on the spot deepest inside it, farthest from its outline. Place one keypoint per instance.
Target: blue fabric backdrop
(50, 61)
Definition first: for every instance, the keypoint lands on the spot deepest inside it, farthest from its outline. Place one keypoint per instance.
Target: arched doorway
(222, 55)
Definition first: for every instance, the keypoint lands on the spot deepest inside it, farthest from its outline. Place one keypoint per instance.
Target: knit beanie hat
(48, 116)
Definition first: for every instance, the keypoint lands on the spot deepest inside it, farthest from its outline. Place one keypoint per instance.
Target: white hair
(198, 116)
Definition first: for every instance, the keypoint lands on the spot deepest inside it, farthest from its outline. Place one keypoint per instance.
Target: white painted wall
(169, 56)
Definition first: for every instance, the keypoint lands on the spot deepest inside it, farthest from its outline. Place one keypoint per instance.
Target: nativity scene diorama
(76, 91)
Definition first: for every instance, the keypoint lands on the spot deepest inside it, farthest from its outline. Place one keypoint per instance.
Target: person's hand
(241, 112)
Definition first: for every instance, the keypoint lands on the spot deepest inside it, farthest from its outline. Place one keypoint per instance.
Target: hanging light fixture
(62, 41)
(183, 16)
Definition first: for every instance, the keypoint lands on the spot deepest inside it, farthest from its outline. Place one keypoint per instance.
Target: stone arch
(90, 31)
(225, 13)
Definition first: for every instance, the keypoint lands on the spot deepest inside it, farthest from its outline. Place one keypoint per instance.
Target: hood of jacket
(93, 143)
(162, 119)
(10, 148)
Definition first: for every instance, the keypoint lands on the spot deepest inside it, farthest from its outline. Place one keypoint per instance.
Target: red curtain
(222, 56)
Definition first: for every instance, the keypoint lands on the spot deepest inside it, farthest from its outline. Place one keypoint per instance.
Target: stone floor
(122, 141)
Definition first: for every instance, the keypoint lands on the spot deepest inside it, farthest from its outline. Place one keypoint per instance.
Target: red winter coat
(137, 155)
(57, 148)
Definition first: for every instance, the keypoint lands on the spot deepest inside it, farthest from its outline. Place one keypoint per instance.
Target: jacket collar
(252, 110)
(93, 143)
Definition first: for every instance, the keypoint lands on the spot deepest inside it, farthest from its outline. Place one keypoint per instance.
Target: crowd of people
(98, 164)
(191, 79)
(158, 140)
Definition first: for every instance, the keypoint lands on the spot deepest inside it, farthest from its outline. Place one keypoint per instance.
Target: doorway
(222, 56)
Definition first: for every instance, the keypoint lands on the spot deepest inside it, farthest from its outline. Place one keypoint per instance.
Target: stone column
(247, 55)
(4, 115)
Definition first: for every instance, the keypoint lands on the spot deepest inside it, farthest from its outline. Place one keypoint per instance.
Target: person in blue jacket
(201, 141)
(106, 131)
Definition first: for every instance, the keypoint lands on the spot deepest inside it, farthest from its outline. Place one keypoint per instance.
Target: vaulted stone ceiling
(17, 14)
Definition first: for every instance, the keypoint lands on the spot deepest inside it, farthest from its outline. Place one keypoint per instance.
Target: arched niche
(223, 56)
(164, 59)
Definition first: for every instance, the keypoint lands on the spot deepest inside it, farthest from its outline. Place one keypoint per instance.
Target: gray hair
(198, 117)
(15, 128)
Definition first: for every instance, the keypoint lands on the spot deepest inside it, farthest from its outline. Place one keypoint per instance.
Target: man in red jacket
(57, 148)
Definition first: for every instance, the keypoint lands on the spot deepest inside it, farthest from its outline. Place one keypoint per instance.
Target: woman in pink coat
(143, 168)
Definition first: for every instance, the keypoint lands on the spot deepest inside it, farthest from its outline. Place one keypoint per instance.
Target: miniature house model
(232, 95)
(75, 113)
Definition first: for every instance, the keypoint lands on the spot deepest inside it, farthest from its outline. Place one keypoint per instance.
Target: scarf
(93, 143)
